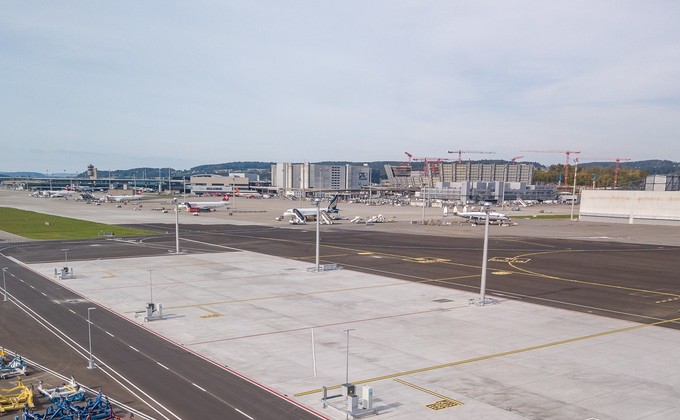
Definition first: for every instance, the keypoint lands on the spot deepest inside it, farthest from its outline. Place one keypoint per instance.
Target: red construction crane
(460, 153)
(616, 168)
(566, 166)
(513, 160)
(430, 165)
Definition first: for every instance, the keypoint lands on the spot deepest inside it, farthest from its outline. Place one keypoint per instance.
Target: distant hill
(22, 175)
(653, 167)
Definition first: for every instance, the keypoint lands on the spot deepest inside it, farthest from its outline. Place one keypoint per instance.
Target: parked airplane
(53, 193)
(121, 198)
(479, 216)
(198, 206)
(300, 215)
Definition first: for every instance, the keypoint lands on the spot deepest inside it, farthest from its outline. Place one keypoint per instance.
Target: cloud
(174, 84)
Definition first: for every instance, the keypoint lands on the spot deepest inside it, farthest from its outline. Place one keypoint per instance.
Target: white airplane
(198, 206)
(300, 215)
(57, 193)
(121, 198)
(479, 216)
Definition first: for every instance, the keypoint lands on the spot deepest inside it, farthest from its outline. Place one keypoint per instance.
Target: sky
(125, 84)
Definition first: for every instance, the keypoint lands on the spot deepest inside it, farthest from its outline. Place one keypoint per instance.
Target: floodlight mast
(318, 216)
(174, 200)
(485, 255)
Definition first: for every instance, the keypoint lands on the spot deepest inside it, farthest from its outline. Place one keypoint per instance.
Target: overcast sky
(123, 84)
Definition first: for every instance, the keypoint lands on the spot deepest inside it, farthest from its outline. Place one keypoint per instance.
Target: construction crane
(430, 165)
(513, 160)
(566, 166)
(460, 153)
(616, 168)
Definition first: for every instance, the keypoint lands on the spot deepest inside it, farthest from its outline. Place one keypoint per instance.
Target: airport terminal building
(442, 172)
(491, 191)
(297, 178)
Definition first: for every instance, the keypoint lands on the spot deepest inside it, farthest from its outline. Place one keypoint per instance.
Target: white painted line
(109, 333)
(251, 418)
(72, 311)
(198, 387)
(134, 349)
(163, 366)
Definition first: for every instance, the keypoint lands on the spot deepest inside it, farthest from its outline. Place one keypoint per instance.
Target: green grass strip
(34, 225)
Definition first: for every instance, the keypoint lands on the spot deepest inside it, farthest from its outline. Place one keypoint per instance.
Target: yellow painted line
(365, 253)
(501, 239)
(419, 388)
(668, 300)
(213, 314)
(496, 355)
(589, 283)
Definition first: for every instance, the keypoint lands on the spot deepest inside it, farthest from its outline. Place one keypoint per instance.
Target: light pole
(65, 257)
(573, 192)
(90, 365)
(318, 216)
(422, 197)
(174, 200)
(347, 362)
(4, 283)
(485, 253)
(150, 288)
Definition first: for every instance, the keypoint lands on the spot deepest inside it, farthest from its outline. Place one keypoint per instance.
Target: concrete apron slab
(419, 346)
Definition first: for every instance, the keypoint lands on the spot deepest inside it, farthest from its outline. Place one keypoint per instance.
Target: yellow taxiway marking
(496, 355)
(668, 300)
(445, 402)
(427, 260)
(589, 283)
(212, 314)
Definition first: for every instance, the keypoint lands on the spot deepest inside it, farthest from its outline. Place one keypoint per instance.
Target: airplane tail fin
(455, 209)
(225, 198)
(333, 205)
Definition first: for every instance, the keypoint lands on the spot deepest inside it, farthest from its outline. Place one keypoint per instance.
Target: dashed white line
(134, 349)
(198, 387)
(72, 311)
(163, 366)
(43, 293)
(251, 418)
(109, 333)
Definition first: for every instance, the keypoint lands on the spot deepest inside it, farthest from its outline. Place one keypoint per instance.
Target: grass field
(34, 225)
